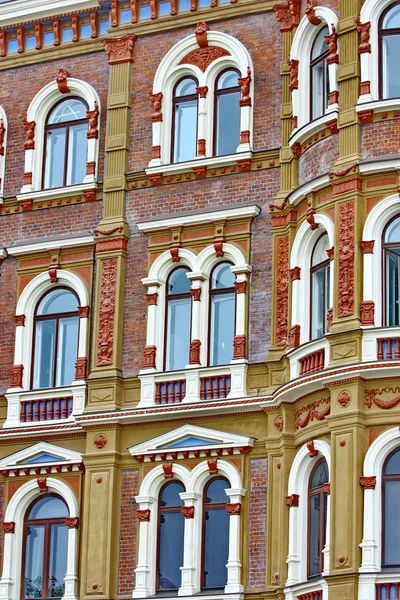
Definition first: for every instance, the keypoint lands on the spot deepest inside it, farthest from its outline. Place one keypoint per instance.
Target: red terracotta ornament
(368, 483)
(61, 80)
(331, 41)
(16, 376)
(108, 283)
(157, 104)
(239, 346)
(292, 501)
(42, 483)
(282, 290)
(2, 136)
(8, 527)
(201, 34)
(167, 468)
(149, 357)
(194, 356)
(80, 368)
(20, 320)
(143, 515)
(30, 134)
(244, 83)
(100, 441)
(93, 116)
(363, 29)
(71, 522)
(233, 508)
(288, 15)
(294, 74)
(120, 50)
(312, 452)
(311, 16)
(213, 466)
(346, 260)
(188, 512)
(344, 399)
(294, 336)
(278, 423)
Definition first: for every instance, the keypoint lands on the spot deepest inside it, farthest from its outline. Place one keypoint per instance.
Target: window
(391, 258)
(227, 113)
(216, 534)
(320, 285)
(319, 75)
(317, 513)
(389, 47)
(171, 535)
(45, 548)
(185, 108)
(390, 517)
(66, 144)
(55, 339)
(222, 314)
(179, 305)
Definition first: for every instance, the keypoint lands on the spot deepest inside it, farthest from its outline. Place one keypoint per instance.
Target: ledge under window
(299, 136)
(203, 162)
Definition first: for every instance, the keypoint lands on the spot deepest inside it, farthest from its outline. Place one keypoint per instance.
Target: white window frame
(194, 482)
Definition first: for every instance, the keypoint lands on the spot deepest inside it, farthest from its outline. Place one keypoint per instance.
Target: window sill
(55, 193)
(367, 103)
(302, 134)
(157, 167)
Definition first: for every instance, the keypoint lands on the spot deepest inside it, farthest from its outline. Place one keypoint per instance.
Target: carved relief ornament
(93, 116)
(188, 512)
(310, 412)
(2, 136)
(203, 57)
(120, 50)
(233, 508)
(143, 515)
(292, 500)
(310, 12)
(244, 83)
(108, 283)
(288, 15)
(156, 99)
(363, 29)
(371, 397)
(346, 260)
(29, 126)
(8, 527)
(61, 80)
(368, 483)
(282, 291)
(331, 41)
(294, 74)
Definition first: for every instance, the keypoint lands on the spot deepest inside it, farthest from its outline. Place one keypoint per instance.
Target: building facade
(200, 299)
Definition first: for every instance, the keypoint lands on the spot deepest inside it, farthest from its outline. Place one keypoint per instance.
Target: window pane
(77, 152)
(393, 464)
(392, 288)
(55, 158)
(34, 561)
(48, 507)
(186, 87)
(58, 301)
(320, 45)
(58, 560)
(390, 54)
(178, 283)
(392, 19)
(170, 495)
(319, 254)
(171, 550)
(69, 110)
(392, 234)
(392, 539)
(227, 80)
(216, 492)
(222, 328)
(44, 354)
(318, 303)
(67, 350)
(216, 542)
(320, 475)
(316, 536)
(228, 122)
(185, 130)
(223, 277)
(178, 334)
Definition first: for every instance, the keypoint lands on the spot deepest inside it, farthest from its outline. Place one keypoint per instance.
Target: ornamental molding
(39, 459)
(371, 397)
(108, 283)
(120, 50)
(310, 412)
(346, 259)
(282, 291)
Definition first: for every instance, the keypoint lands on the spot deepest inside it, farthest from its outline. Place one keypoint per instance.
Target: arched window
(171, 535)
(317, 511)
(319, 75)
(55, 339)
(222, 314)
(45, 548)
(391, 264)
(66, 144)
(227, 113)
(389, 48)
(215, 534)
(320, 282)
(184, 120)
(179, 306)
(390, 514)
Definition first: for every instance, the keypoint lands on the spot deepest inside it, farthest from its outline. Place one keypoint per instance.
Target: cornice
(19, 11)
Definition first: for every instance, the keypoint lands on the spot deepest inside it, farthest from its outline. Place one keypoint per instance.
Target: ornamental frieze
(316, 410)
(373, 397)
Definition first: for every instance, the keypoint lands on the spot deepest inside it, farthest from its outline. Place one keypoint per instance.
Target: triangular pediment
(41, 458)
(191, 441)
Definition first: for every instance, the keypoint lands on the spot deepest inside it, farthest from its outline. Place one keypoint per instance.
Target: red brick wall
(257, 522)
(318, 159)
(380, 138)
(252, 31)
(128, 532)
(8, 287)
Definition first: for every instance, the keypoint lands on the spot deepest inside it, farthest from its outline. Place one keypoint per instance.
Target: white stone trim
(373, 229)
(311, 186)
(301, 51)
(50, 245)
(10, 582)
(292, 593)
(38, 110)
(298, 484)
(295, 355)
(22, 457)
(300, 256)
(170, 71)
(194, 482)
(18, 10)
(3, 158)
(57, 193)
(379, 166)
(210, 162)
(302, 134)
(370, 13)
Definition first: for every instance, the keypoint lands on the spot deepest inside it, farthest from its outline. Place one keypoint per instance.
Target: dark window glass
(391, 258)
(216, 534)
(319, 75)
(223, 301)
(171, 535)
(391, 494)
(317, 508)
(227, 113)
(66, 144)
(56, 339)
(320, 283)
(389, 37)
(185, 108)
(179, 305)
(46, 547)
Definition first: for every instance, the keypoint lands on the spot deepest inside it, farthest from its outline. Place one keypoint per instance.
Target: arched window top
(186, 87)
(391, 17)
(319, 476)
(392, 466)
(71, 109)
(169, 495)
(214, 492)
(58, 301)
(178, 283)
(227, 79)
(319, 254)
(319, 45)
(222, 277)
(48, 507)
(392, 232)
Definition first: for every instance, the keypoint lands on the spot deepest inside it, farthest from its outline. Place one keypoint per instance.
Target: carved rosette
(278, 423)
(8, 527)
(100, 441)
(188, 512)
(71, 522)
(108, 283)
(368, 483)
(120, 50)
(343, 399)
(143, 515)
(292, 501)
(282, 290)
(233, 508)
(346, 260)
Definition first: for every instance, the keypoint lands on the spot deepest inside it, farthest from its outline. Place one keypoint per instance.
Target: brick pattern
(257, 522)
(318, 159)
(2, 487)
(128, 532)
(380, 138)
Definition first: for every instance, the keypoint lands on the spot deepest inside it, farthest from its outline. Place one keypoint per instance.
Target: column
(146, 569)
(192, 511)
(234, 566)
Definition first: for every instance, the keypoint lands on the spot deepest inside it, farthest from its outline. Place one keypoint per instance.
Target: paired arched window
(389, 49)
(317, 513)
(320, 286)
(184, 120)
(179, 304)
(65, 144)
(56, 325)
(391, 263)
(319, 75)
(45, 548)
(171, 535)
(390, 513)
(222, 314)
(215, 534)
(227, 113)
